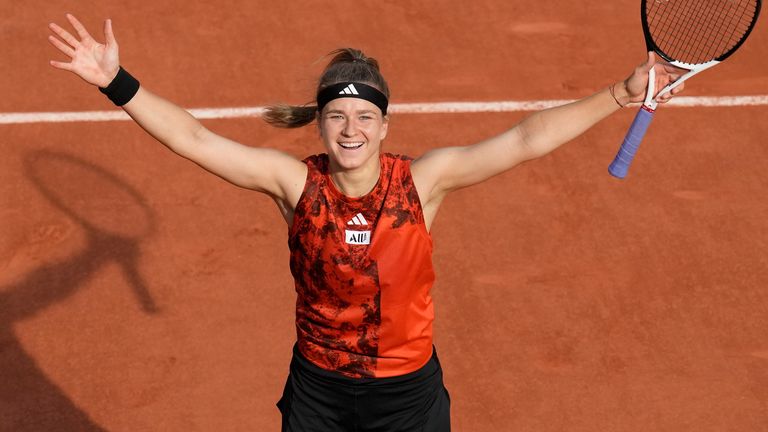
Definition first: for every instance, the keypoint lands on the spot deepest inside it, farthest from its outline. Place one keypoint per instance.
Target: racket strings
(697, 31)
(707, 43)
(723, 27)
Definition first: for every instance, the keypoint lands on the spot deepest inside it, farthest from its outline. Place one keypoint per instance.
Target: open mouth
(351, 145)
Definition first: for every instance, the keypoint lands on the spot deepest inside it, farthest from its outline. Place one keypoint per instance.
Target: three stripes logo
(350, 89)
(355, 237)
(359, 219)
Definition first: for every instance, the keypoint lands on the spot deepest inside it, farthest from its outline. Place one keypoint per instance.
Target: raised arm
(273, 172)
(442, 170)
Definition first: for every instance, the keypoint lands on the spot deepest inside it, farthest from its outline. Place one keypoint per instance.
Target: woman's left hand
(636, 85)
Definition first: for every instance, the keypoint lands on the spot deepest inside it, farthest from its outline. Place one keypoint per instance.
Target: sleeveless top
(363, 273)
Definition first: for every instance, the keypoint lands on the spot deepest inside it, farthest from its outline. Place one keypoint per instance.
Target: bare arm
(262, 169)
(442, 170)
(265, 170)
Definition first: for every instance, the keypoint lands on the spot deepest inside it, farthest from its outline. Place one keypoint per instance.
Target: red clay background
(139, 293)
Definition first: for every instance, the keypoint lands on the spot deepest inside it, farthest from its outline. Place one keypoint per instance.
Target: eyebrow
(356, 112)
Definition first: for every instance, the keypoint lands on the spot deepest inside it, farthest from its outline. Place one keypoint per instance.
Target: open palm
(92, 61)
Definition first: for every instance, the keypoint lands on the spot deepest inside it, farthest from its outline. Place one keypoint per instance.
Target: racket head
(687, 33)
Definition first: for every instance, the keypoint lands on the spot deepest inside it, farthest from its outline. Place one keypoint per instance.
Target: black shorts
(315, 399)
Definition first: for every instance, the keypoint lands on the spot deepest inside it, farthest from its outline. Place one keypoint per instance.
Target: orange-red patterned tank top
(363, 273)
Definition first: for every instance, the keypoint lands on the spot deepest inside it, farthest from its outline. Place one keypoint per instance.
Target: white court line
(402, 108)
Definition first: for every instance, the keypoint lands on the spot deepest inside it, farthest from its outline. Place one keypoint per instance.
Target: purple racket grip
(623, 160)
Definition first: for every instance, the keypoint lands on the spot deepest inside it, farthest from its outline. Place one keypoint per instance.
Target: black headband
(355, 90)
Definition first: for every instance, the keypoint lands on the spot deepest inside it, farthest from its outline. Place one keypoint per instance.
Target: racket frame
(693, 69)
(626, 154)
(652, 46)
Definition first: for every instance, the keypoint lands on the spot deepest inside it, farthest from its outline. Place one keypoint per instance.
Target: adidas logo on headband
(350, 89)
(355, 90)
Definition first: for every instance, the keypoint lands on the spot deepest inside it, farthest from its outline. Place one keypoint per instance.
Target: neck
(356, 182)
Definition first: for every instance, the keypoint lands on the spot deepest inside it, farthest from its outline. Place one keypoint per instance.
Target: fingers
(69, 50)
(61, 65)
(81, 31)
(68, 38)
(109, 35)
(666, 97)
(649, 63)
(651, 59)
(663, 98)
(66, 49)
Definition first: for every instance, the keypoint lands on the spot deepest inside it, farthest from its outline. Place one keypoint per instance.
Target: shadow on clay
(114, 218)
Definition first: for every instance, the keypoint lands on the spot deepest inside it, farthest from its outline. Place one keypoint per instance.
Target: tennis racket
(694, 35)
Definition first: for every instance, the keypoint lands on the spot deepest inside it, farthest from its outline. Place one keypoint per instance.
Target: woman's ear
(384, 127)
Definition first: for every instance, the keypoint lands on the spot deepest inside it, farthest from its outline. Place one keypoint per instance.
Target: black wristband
(122, 89)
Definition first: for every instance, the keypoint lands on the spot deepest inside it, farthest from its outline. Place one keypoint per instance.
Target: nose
(350, 128)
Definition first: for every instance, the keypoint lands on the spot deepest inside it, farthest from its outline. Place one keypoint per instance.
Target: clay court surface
(140, 293)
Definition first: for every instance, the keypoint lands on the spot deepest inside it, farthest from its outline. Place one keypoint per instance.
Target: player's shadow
(29, 400)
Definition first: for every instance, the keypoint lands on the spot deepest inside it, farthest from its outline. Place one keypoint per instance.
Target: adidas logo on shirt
(350, 89)
(357, 237)
(359, 219)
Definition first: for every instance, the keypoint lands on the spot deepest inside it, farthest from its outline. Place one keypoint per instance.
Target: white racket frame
(650, 97)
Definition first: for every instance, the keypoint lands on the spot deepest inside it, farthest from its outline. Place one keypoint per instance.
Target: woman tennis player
(359, 221)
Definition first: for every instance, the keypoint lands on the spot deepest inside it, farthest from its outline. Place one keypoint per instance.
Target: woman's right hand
(92, 61)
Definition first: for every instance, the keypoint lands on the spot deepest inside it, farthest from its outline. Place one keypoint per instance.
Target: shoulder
(316, 160)
(396, 165)
(396, 157)
(396, 160)
(431, 165)
(317, 164)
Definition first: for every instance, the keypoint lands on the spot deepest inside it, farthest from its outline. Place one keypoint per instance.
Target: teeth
(350, 145)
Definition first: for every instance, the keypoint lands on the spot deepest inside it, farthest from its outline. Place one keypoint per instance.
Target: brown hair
(347, 64)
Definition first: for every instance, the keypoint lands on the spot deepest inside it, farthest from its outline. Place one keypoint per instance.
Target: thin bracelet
(611, 91)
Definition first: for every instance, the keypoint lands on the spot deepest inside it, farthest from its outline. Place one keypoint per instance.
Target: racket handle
(623, 160)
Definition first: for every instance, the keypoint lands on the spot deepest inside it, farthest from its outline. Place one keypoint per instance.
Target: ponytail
(347, 65)
(290, 116)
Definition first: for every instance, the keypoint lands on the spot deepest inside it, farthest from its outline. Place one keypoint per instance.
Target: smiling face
(352, 130)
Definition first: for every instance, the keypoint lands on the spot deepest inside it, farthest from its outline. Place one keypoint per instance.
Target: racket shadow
(121, 220)
(29, 401)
